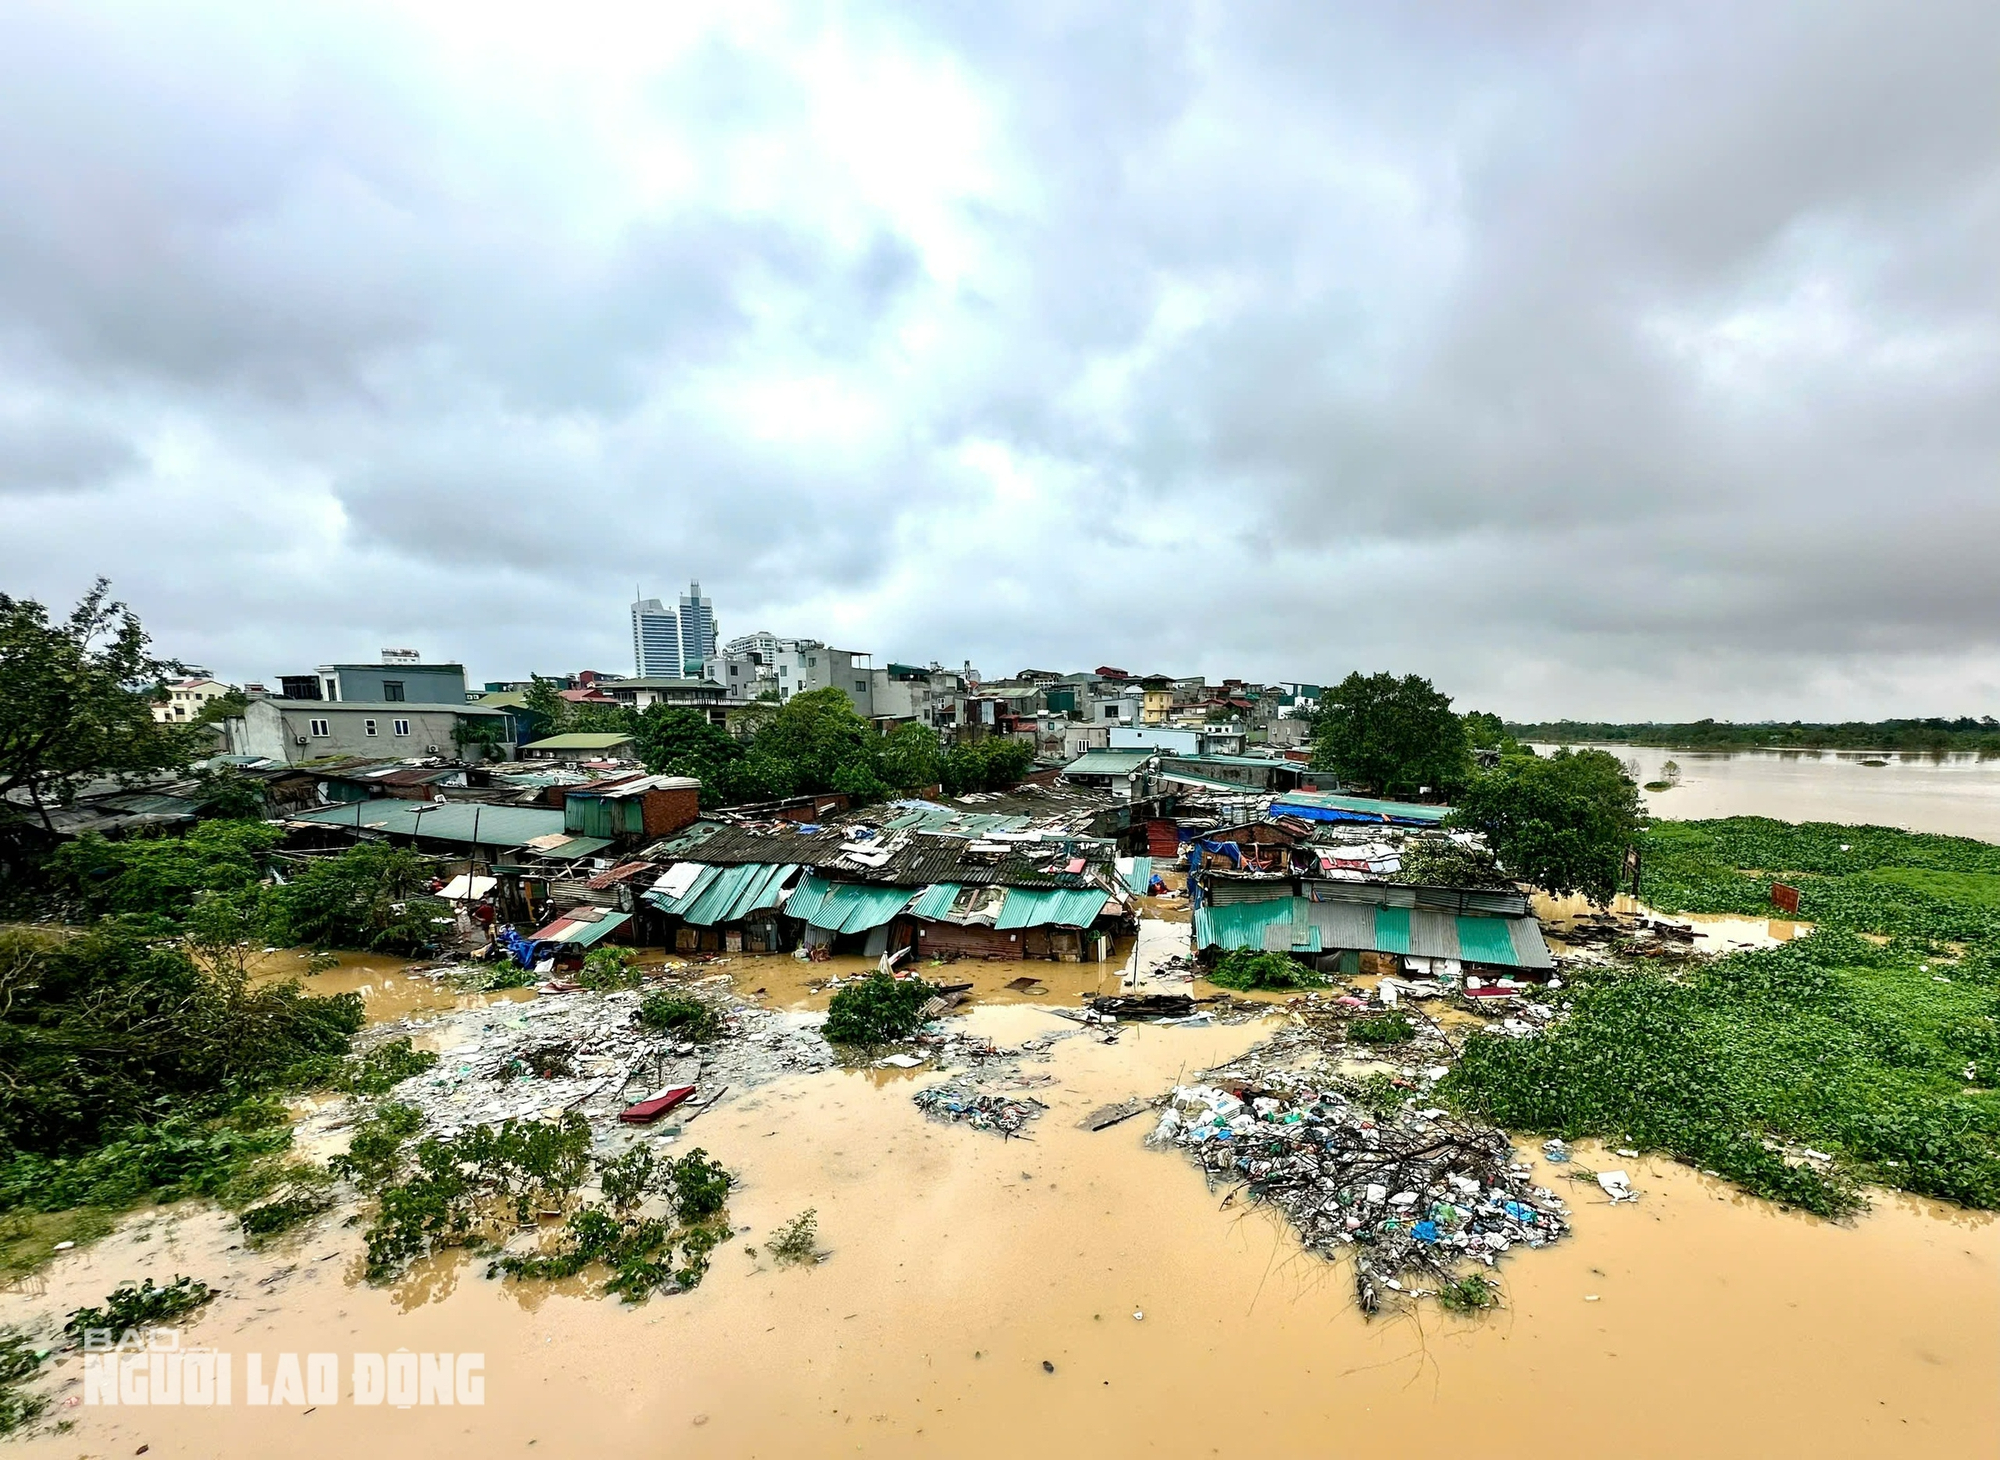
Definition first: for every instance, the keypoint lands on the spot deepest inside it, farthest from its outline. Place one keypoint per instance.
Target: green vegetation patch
(20, 1359)
(1382, 1029)
(1244, 969)
(680, 1014)
(1829, 1042)
(877, 1010)
(142, 1305)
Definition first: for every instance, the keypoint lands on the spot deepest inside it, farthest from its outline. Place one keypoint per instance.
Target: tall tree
(676, 741)
(1396, 736)
(910, 758)
(551, 711)
(1561, 822)
(76, 700)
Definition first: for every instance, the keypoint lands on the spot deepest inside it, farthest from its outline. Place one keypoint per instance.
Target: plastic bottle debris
(1554, 1150)
(1412, 1192)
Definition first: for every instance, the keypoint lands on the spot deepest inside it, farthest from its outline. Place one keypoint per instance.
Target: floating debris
(959, 1104)
(1411, 1191)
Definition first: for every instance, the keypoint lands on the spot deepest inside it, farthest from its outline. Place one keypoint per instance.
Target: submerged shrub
(877, 1010)
(680, 1014)
(142, 1305)
(1246, 968)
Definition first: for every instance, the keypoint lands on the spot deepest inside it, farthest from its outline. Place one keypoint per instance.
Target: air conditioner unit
(431, 749)
(301, 740)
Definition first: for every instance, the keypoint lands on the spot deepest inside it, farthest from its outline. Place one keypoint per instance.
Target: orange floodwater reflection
(1694, 1322)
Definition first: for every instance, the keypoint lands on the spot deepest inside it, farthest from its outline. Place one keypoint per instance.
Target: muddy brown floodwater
(1693, 1322)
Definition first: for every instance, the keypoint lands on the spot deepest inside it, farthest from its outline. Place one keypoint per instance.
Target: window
(861, 686)
(400, 727)
(392, 689)
(367, 727)
(318, 728)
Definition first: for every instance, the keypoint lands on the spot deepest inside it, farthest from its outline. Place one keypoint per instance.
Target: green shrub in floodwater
(1244, 969)
(1382, 1029)
(877, 1010)
(1469, 1294)
(797, 1241)
(670, 1011)
(142, 1305)
(20, 1359)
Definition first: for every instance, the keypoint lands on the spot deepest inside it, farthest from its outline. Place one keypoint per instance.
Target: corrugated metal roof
(1108, 762)
(678, 906)
(934, 901)
(1140, 877)
(579, 741)
(733, 893)
(1069, 907)
(846, 907)
(1506, 942)
(452, 821)
(580, 932)
(915, 859)
(1325, 806)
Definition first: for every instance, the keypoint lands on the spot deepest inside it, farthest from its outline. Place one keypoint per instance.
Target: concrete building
(300, 730)
(746, 674)
(807, 664)
(763, 643)
(398, 682)
(185, 699)
(1118, 709)
(694, 694)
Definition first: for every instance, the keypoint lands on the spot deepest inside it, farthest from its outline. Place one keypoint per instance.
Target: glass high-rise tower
(656, 640)
(697, 623)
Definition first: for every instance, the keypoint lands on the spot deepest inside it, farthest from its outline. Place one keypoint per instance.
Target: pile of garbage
(982, 1110)
(1415, 1193)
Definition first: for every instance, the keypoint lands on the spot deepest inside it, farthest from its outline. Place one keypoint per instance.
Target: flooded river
(1956, 795)
(1694, 1322)
(1080, 1293)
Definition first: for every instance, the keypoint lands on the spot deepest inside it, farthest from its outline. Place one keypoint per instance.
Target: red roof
(618, 874)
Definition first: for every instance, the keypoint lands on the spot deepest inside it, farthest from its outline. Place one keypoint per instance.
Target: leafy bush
(1249, 968)
(680, 1014)
(609, 968)
(274, 1217)
(638, 1251)
(19, 1361)
(471, 1188)
(371, 897)
(162, 875)
(1441, 861)
(700, 1187)
(142, 1305)
(1469, 1294)
(877, 1010)
(797, 1241)
(1382, 1029)
(110, 1033)
(376, 1146)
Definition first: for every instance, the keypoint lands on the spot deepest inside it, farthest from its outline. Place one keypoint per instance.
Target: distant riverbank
(1951, 794)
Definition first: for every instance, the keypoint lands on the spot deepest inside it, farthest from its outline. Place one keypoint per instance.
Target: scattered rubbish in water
(957, 1104)
(1106, 1116)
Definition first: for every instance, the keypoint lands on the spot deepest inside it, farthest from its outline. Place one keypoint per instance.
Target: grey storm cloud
(1597, 359)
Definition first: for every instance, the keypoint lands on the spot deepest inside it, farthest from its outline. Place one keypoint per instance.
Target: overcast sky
(1602, 359)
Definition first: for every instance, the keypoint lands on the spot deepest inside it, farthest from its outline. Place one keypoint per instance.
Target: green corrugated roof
(1141, 875)
(452, 821)
(934, 901)
(1240, 924)
(578, 741)
(852, 908)
(1392, 930)
(1485, 940)
(678, 906)
(1069, 907)
(729, 883)
(807, 898)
